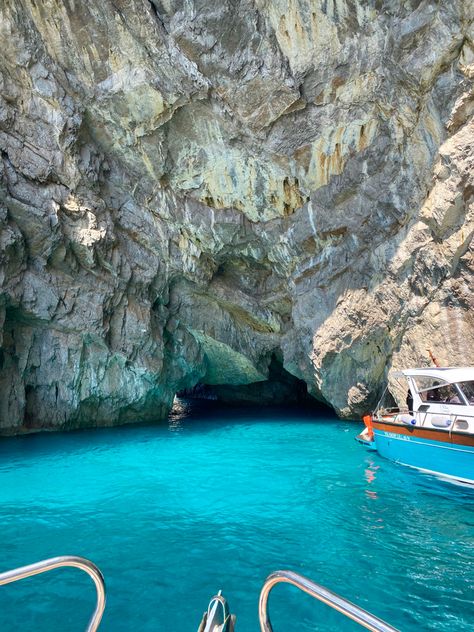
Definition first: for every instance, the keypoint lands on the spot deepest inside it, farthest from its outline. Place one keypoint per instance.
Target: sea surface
(219, 498)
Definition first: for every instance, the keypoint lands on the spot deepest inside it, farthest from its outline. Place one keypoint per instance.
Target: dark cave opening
(281, 388)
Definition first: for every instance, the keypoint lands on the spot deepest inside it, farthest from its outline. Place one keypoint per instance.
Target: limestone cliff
(198, 191)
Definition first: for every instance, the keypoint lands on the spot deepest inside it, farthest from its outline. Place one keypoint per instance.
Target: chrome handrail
(56, 562)
(360, 616)
(454, 415)
(394, 410)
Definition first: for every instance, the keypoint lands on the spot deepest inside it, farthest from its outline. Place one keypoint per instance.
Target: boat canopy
(449, 375)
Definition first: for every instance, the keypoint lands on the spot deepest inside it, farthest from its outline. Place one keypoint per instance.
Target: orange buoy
(367, 419)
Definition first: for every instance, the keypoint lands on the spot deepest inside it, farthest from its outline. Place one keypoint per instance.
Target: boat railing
(347, 608)
(391, 411)
(57, 562)
(423, 412)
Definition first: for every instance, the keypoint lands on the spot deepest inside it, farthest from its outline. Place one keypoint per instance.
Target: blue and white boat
(433, 430)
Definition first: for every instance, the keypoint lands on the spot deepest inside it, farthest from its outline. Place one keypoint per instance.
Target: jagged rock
(190, 190)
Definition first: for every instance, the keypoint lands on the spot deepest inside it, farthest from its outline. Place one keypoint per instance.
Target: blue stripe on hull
(433, 456)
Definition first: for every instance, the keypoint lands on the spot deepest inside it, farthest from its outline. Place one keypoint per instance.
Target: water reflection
(179, 412)
(370, 474)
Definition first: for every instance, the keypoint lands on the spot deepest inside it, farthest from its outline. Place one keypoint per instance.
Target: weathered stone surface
(190, 190)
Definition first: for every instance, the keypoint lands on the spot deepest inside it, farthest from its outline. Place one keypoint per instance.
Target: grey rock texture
(196, 191)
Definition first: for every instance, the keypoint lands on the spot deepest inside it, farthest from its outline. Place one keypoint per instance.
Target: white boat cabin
(440, 398)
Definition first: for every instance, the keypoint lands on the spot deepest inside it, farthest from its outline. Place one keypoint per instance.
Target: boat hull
(448, 455)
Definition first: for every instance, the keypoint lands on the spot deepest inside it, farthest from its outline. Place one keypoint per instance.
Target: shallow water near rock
(219, 498)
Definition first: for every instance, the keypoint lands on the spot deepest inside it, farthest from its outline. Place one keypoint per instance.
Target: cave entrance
(281, 388)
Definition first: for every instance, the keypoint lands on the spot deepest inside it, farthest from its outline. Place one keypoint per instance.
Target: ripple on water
(219, 499)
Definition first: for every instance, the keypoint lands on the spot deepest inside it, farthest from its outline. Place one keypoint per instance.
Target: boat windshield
(468, 389)
(424, 383)
(446, 394)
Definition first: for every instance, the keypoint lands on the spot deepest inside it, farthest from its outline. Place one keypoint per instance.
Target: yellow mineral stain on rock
(303, 31)
(223, 176)
(366, 134)
(330, 152)
(261, 190)
(292, 198)
(276, 188)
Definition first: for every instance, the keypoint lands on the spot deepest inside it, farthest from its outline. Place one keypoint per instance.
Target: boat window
(423, 382)
(446, 394)
(468, 389)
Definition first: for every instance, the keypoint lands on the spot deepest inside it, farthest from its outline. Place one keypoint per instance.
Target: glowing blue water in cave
(219, 498)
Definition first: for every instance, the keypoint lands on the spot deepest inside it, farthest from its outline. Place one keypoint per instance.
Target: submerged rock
(188, 190)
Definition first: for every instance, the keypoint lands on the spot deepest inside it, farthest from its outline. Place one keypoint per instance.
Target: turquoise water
(219, 498)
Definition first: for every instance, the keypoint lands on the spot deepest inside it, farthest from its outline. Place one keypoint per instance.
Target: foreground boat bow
(218, 617)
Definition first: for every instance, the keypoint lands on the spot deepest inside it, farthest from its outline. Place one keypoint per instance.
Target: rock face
(196, 192)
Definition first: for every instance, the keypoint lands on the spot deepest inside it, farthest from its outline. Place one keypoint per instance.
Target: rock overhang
(300, 185)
